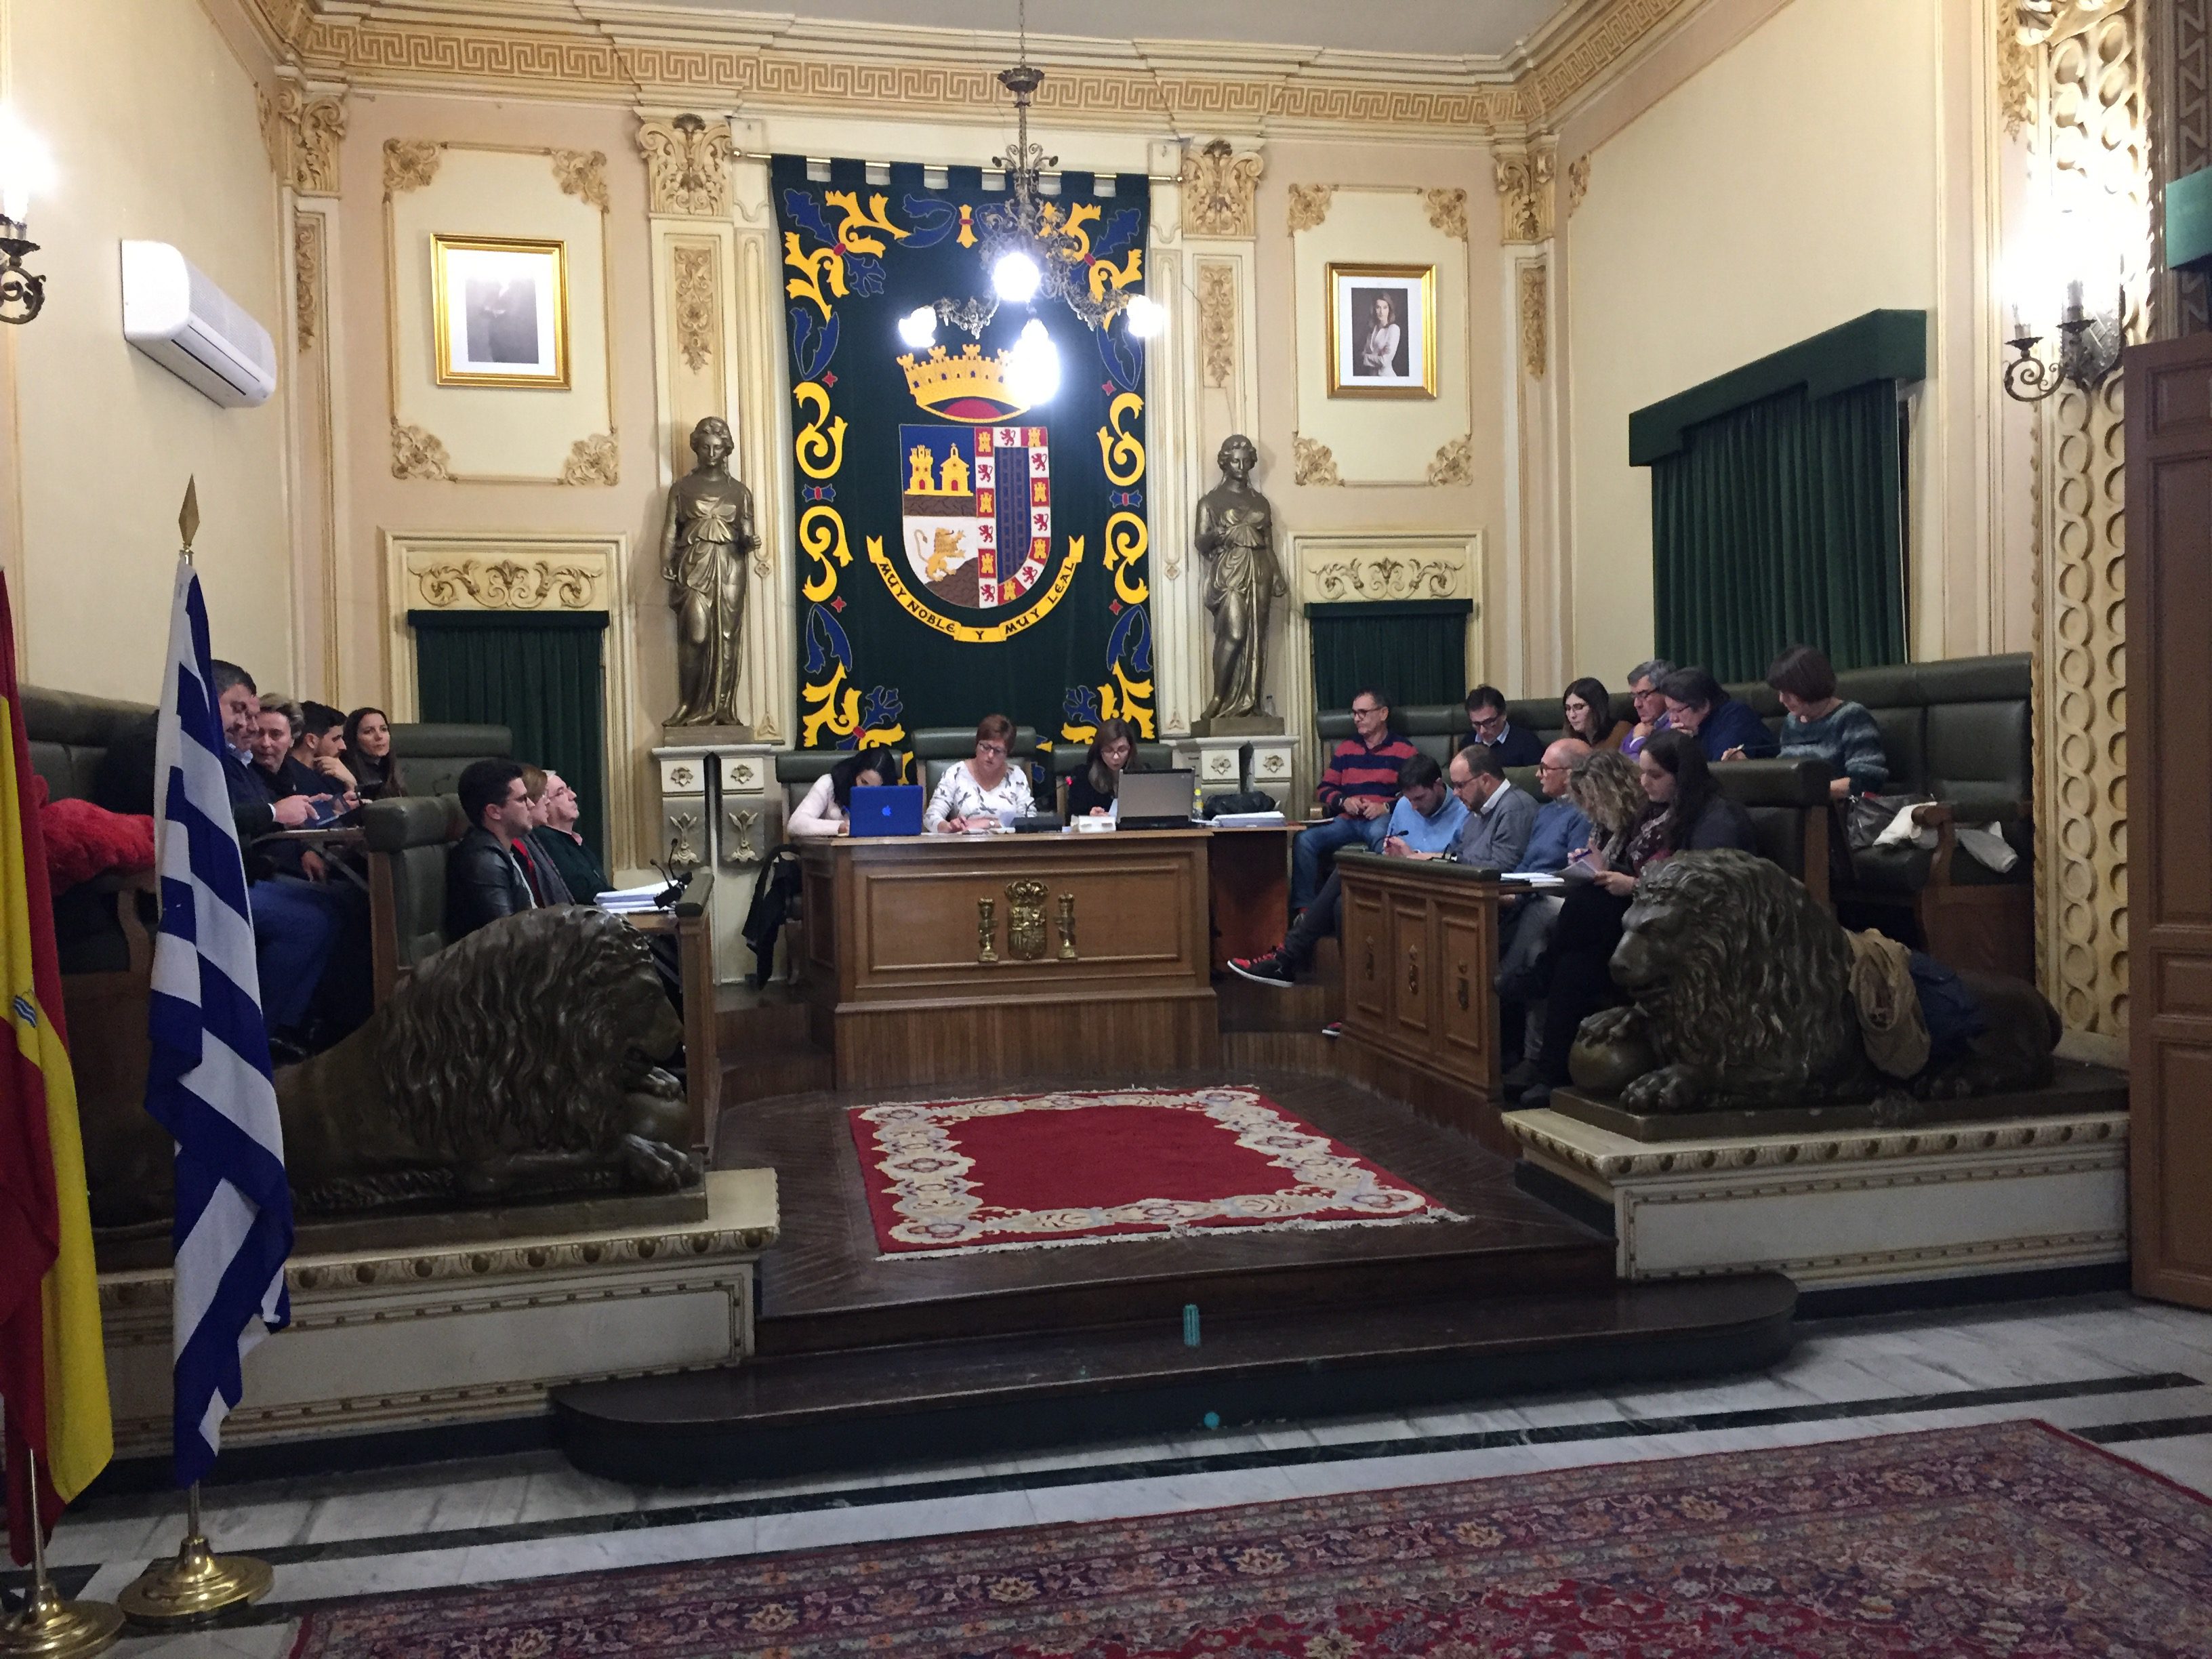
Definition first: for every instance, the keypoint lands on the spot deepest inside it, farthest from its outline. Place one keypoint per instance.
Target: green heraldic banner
(968, 544)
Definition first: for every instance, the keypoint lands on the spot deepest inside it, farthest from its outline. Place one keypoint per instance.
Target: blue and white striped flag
(208, 1084)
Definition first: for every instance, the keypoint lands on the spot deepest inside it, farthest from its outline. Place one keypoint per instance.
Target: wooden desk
(1420, 1010)
(907, 986)
(687, 922)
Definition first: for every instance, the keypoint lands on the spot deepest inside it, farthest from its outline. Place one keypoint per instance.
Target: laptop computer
(893, 809)
(1155, 800)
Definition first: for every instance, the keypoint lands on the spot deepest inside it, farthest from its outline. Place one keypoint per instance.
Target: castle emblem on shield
(976, 511)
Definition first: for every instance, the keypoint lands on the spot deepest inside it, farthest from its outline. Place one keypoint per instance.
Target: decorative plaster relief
(1309, 205)
(409, 164)
(1535, 348)
(1311, 463)
(307, 276)
(1453, 463)
(1385, 576)
(302, 131)
(1577, 183)
(592, 460)
(1524, 193)
(583, 174)
(1217, 324)
(687, 163)
(694, 304)
(418, 455)
(1447, 211)
(505, 583)
(1218, 189)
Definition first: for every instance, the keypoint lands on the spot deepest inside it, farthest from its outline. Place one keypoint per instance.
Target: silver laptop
(1155, 800)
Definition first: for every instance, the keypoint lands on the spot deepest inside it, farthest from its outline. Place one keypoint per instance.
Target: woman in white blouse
(824, 811)
(1379, 355)
(973, 794)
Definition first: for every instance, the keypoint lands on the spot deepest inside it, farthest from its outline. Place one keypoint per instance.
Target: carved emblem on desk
(1462, 987)
(1413, 972)
(1067, 927)
(1025, 920)
(987, 928)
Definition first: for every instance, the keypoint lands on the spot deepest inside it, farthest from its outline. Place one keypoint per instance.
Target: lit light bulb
(1146, 316)
(1033, 367)
(1015, 277)
(25, 168)
(918, 328)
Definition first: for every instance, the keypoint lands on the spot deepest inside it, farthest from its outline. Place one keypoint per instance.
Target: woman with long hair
(828, 806)
(1091, 792)
(1684, 812)
(368, 755)
(1587, 706)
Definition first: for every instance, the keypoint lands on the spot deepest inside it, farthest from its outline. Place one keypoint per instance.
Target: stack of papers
(1532, 878)
(1245, 820)
(622, 899)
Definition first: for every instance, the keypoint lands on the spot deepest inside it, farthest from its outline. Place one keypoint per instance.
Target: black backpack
(776, 897)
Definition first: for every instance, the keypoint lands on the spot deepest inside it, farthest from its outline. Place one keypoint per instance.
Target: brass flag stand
(198, 1583)
(51, 1628)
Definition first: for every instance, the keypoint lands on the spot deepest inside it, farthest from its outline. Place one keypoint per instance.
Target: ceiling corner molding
(634, 52)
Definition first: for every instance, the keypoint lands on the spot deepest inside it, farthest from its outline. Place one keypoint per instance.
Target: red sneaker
(1270, 969)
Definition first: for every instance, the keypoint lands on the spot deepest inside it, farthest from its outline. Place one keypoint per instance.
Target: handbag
(1865, 817)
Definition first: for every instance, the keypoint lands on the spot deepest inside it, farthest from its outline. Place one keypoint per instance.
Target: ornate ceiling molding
(1219, 188)
(632, 52)
(687, 165)
(1524, 179)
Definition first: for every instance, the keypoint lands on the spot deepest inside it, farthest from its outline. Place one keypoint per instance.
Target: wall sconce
(2088, 350)
(24, 168)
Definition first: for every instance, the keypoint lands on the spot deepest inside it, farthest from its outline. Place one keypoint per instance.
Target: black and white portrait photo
(1381, 329)
(502, 312)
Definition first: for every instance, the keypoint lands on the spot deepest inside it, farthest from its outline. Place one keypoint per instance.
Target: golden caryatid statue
(1236, 538)
(704, 544)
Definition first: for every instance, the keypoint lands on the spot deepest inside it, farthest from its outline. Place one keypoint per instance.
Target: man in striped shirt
(1356, 794)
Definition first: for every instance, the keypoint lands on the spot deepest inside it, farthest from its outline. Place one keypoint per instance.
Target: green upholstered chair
(408, 837)
(433, 756)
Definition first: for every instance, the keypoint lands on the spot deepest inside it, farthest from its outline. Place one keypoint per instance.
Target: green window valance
(1415, 649)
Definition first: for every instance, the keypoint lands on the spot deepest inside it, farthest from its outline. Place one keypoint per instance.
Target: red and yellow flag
(53, 1375)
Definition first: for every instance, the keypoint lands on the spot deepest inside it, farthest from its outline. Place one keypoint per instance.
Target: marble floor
(2135, 1376)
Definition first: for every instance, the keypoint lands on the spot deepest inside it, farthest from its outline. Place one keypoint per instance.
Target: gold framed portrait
(1381, 331)
(499, 312)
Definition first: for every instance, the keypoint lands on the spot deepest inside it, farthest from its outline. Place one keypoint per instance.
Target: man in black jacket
(483, 880)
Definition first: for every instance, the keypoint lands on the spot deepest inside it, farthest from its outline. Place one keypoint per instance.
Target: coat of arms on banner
(976, 511)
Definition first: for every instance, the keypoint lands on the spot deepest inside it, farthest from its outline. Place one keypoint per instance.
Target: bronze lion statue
(1740, 997)
(517, 1064)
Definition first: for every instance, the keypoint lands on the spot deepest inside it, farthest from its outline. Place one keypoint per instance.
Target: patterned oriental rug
(1017, 1172)
(2005, 1539)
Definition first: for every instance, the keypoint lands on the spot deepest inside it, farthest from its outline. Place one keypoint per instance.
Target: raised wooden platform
(862, 1361)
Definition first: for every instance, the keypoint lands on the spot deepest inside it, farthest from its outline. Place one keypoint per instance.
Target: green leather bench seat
(417, 831)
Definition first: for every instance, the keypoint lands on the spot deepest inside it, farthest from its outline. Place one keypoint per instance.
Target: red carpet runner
(2006, 1541)
(1022, 1171)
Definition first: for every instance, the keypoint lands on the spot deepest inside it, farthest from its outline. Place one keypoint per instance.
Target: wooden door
(2169, 577)
(1412, 982)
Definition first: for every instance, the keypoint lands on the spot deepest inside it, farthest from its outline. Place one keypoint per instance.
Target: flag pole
(197, 1583)
(49, 1627)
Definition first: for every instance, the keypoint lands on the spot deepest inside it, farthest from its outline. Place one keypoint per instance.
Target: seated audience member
(1684, 812)
(1587, 706)
(556, 843)
(319, 743)
(1418, 829)
(1355, 793)
(1488, 726)
(295, 923)
(1560, 826)
(1500, 817)
(483, 881)
(1651, 703)
(1092, 792)
(983, 791)
(269, 749)
(827, 803)
(546, 885)
(1564, 831)
(368, 755)
(1821, 726)
(1725, 729)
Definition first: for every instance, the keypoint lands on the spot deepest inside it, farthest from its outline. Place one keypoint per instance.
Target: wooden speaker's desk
(933, 958)
(1420, 963)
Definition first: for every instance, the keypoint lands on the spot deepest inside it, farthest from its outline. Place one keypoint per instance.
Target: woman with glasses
(982, 792)
(1587, 706)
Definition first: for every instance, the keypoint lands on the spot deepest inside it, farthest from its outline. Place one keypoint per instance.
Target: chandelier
(1030, 251)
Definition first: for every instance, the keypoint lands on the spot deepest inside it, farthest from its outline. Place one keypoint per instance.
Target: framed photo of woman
(501, 312)
(1381, 331)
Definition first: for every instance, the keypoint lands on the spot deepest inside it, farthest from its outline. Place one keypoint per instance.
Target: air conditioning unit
(184, 322)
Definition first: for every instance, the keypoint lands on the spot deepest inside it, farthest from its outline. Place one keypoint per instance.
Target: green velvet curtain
(540, 676)
(1782, 523)
(1414, 650)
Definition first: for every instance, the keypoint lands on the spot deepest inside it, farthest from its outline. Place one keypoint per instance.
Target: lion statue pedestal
(1729, 1118)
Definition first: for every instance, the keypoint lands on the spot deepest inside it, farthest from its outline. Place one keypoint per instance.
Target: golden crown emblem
(969, 387)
